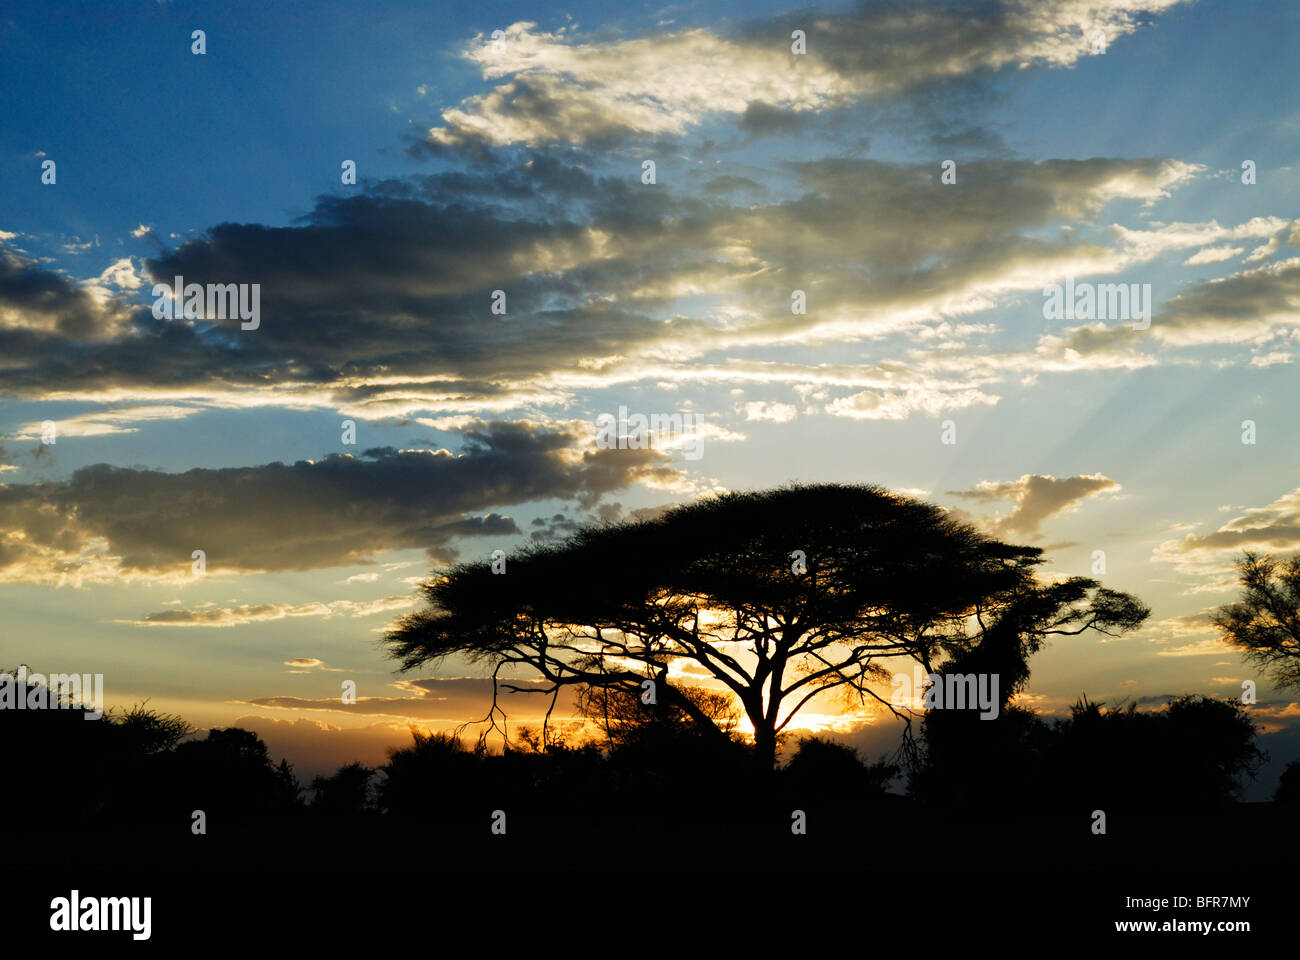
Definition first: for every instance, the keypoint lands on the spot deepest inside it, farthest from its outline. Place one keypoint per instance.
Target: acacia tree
(777, 596)
(1265, 622)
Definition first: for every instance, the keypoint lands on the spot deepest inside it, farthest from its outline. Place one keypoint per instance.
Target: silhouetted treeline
(1195, 755)
(146, 770)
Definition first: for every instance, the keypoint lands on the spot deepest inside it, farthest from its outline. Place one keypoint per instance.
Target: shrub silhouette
(829, 778)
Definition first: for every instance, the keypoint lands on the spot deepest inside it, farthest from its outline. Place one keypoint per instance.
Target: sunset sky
(516, 164)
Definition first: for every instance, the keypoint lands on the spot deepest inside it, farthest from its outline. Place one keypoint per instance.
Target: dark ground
(591, 882)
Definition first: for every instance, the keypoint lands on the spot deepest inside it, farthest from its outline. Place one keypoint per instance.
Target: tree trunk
(764, 744)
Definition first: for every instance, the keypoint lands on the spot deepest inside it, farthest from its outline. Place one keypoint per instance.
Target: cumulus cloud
(1036, 497)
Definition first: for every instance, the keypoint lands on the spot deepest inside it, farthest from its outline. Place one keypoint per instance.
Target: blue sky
(519, 167)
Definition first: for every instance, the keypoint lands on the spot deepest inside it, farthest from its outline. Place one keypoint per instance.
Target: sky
(920, 173)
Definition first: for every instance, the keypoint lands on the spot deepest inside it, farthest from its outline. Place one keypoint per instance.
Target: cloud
(771, 412)
(1192, 635)
(1148, 243)
(1036, 497)
(1212, 255)
(440, 700)
(106, 422)
(319, 749)
(556, 527)
(35, 301)
(121, 274)
(901, 404)
(563, 86)
(105, 522)
(1271, 528)
(1252, 307)
(258, 613)
(1201, 648)
(1264, 251)
(76, 245)
(378, 305)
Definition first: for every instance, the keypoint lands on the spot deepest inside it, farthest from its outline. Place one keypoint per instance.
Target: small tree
(1265, 622)
(148, 732)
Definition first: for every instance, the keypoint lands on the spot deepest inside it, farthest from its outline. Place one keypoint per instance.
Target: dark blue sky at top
(144, 131)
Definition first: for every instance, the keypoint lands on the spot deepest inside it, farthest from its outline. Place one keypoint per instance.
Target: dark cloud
(34, 298)
(380, 303)
(765, 120)
(717, 186)
(556, 527)
(307, 515)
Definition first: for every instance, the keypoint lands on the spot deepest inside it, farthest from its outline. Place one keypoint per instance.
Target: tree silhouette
(148, 732)
(346, 792)
(230, 772)
(1265, 622)
(1287, 793)
(434, 776)
(776, 597)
